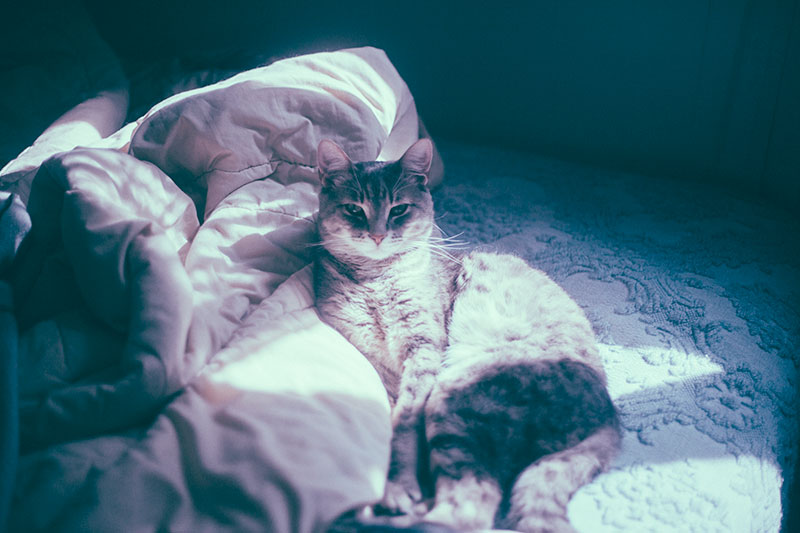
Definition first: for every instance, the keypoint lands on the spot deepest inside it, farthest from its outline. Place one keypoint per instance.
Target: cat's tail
(540, 494)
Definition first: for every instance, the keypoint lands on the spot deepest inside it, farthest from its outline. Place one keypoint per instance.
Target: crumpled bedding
(173, 374)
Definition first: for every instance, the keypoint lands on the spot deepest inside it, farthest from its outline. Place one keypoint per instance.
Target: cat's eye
(398, 210)
(353, 210)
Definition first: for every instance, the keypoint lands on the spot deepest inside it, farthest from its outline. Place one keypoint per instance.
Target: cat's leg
(466, 503)
(541, 493)
(467, 491)
(403, 493)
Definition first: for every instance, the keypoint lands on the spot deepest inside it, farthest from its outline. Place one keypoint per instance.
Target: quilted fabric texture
(174, 375)
(692, 292)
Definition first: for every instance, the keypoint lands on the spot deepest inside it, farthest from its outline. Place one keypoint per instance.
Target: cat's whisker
(442, 250)
(453, 238)
(445, 253)
(435, 249)
(450, 243)
(453, 250)
(445, 236)
(447, 256)
(444, 245)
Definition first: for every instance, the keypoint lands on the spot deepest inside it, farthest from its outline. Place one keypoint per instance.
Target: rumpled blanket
(173, 373)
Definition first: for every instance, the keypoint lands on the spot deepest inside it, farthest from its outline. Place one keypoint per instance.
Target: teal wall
(682, 88)
(692, 89)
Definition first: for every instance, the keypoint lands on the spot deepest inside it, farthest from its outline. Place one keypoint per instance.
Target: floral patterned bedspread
(693, 292)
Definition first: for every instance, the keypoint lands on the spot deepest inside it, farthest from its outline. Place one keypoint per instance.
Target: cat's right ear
(417, 159)
(331, 159)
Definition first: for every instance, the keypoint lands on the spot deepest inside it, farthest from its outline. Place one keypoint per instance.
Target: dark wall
(693, 89)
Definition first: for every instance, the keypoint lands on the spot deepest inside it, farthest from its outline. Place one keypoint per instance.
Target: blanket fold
(105, 302)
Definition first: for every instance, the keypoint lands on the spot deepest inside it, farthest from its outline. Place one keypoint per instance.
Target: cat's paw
(548, 524)
(403, 498)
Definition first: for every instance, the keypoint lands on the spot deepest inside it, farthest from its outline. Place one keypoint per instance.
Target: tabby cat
(498, 394)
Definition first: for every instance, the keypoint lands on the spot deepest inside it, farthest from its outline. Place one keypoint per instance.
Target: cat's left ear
(417, 159)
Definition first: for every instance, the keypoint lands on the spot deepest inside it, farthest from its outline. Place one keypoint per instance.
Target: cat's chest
(392, 311)
(382, 317)
(393, 308)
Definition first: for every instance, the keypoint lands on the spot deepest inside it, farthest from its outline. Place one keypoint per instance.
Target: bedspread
(692, 291)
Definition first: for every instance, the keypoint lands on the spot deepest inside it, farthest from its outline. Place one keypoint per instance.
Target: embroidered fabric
(692, 292)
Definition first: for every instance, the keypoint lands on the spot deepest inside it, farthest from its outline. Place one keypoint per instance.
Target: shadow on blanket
(266, 462)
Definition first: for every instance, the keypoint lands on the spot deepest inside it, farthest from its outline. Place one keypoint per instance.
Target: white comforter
(174, 374)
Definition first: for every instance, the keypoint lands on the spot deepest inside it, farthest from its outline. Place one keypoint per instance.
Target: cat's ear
(417, 159)
(331, 159)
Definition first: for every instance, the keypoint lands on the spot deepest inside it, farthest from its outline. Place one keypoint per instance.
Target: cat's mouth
(376, 250)
(364, 248)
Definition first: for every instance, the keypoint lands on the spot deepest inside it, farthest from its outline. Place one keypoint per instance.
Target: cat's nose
(377, 238)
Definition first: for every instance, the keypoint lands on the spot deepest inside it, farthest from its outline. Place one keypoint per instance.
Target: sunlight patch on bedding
(694, 480)
(295, 354)
(633, 368)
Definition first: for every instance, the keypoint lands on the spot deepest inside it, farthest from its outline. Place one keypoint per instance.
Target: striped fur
(498, 392)
(520, 408)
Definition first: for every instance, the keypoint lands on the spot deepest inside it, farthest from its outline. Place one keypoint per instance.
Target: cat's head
(374, 210)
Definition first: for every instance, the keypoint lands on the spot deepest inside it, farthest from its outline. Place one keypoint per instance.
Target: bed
(164, 367)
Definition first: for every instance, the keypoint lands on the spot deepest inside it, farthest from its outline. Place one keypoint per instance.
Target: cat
(498, 394)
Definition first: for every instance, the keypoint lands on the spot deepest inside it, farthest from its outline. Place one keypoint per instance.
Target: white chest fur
(385, 315)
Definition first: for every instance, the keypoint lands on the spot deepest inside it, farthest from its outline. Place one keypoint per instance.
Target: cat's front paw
(403, 498)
